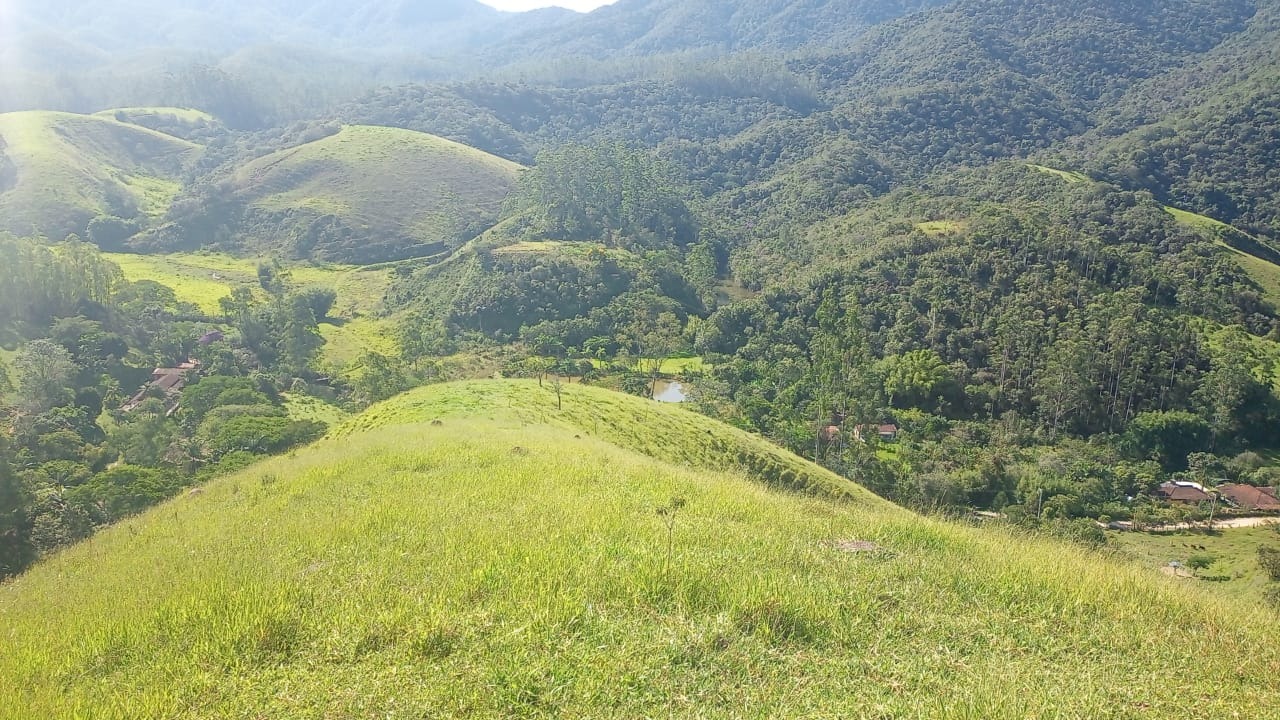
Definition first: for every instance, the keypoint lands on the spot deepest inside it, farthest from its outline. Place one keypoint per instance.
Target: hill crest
(363, 194)
(500, 562)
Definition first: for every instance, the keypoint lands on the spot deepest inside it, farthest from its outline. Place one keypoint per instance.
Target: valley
(774, 358)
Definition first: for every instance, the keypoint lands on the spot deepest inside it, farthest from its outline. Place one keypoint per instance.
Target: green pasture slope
(378, 181)
(66, 169)
(470, 550)
(141, 115)
(1263, 271)
(1235, 570)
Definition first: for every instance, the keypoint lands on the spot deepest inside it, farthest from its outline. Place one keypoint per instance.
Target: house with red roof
(1248, 497)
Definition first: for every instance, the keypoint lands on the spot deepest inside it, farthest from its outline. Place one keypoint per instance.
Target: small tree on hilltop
(557, 386)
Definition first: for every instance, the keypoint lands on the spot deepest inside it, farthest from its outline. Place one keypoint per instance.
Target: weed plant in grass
(468, 551)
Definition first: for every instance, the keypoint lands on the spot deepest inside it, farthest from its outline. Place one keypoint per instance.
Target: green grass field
(186, 115)
(512, 561)
(71, 168)
(682, 366)
(1235, 571)
(188, 275)
(346, 342)
(204, 278)
(303, 407)
(1067, 175)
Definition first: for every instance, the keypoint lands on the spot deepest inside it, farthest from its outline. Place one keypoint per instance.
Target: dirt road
(1217, 524)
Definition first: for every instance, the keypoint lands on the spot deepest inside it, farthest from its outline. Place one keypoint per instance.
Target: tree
(320, 300)
(911, 379)
(606, 193)
(557, 386)
(1200, 561)
(125, 490)
(653, 340)
(1238, 374)
(382, 377)
(109, 233)
(299, 337)
(15, 508)
(1269, 560)
(538, 367)
(144, 436)
(1169, 437)
(44, 371)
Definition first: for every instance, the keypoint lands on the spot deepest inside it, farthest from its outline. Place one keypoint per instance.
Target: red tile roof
(1248, 497)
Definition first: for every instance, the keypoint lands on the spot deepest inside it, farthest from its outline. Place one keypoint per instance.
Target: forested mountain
(76, 57)
(132, 26)
(657, 27)
(1207, 135)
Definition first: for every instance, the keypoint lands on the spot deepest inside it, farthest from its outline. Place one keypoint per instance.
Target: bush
(1200, 561)
(124, 490)
(1269, 559)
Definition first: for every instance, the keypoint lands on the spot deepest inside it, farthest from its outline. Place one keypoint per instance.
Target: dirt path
(1227, 524)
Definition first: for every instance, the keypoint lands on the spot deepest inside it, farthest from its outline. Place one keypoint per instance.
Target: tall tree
(44, 371)
(15, 517)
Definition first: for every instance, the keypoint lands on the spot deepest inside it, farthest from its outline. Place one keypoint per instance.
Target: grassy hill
(511, 560)
(371, 194)
(65, 169)
(184, 123)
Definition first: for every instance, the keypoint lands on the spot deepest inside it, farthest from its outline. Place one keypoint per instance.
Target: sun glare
(522, 5)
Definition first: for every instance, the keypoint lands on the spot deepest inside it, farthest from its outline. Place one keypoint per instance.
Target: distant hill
(58, 171)
(656, 27)
(70, 56)
(185, 123)
(471, 550)
(133, 25)
(1207, 135)
(363, 195)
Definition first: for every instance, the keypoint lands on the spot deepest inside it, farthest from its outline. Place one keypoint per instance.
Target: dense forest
(1037, 239)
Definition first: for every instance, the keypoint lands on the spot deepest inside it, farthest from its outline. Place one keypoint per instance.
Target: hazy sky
(580, 5)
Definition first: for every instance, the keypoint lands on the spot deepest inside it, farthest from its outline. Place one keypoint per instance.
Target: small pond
(669, 391)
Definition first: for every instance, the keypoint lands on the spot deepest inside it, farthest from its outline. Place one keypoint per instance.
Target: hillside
(58, 171)
(1203, 136)
(362, 195)
(641, 28)
(509, 560)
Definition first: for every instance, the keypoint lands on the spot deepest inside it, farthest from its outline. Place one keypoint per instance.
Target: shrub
(1269, 559)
